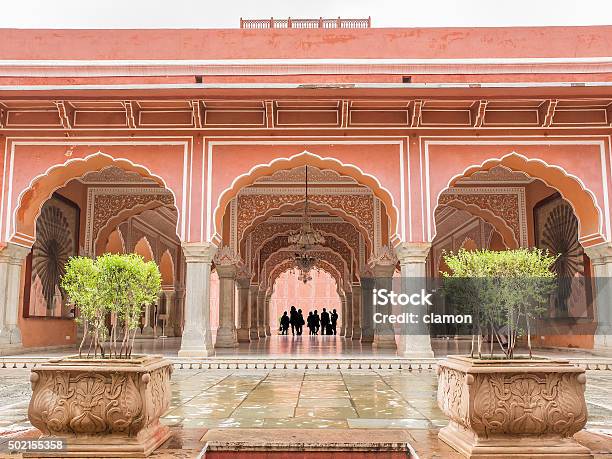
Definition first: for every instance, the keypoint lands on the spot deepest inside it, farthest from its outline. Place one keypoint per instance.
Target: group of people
(326, 322)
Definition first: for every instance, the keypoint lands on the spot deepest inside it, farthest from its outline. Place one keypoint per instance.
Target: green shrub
(115, 285)
(502, 290)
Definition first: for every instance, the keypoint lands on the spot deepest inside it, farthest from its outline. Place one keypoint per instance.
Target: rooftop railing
(321, 23)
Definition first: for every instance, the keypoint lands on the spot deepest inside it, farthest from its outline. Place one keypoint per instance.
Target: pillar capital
(13, 253)
(383, 262)
(227, 256)
(412, 252)
(600, 253)
(199, 252)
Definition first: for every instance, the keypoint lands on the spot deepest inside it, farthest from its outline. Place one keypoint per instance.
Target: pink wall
(417, 43)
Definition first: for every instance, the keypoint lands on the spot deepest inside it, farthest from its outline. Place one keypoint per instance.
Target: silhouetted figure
(316, 321)
(300, 322)
(334, 321)
(284, 323)
(293, 320)
(324, 322)
(310, 323)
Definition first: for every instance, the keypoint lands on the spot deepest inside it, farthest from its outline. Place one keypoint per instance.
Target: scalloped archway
(31, 200)
(303, 159)
(583, 201)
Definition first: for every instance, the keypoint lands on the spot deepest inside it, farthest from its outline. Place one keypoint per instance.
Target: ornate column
(348, 329)
(179, 318)
(170, 312)
(383, 266)
(601, 260)
(147, 328)
(11, 261)
(356, 335)
(226, 263)
(196, 340)
(253, 328)
(267, 315)
(243, 282)
(343, 312)
(367, 309)
(261, 324)
(415, 341)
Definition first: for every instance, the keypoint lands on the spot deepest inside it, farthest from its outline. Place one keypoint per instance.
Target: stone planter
(518, 408)
(107, 408)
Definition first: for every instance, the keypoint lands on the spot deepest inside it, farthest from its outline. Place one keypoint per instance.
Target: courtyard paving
(300, 399)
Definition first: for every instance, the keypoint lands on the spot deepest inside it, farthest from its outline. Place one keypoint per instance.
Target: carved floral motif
(251, 206)
(489, 402)
(102, 403)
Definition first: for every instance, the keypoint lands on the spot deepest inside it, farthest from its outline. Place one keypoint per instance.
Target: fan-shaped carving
(54, 245)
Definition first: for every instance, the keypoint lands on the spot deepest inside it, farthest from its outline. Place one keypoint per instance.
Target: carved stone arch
(143, 248)
(287, 265)
(501, 226)
(41, 187)
(167, 268)
(279, 241)
(125, 214)
(583, 201)
(115, 240)
(366, 231)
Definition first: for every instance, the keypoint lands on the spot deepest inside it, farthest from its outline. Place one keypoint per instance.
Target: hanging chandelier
(304, 241)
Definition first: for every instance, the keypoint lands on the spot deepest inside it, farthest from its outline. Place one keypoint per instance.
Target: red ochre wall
(40, 331)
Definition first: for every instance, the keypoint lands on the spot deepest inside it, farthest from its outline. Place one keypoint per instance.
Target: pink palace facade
(190, 147)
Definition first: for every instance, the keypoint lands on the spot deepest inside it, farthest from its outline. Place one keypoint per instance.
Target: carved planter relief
(517, 408)
(105, 408)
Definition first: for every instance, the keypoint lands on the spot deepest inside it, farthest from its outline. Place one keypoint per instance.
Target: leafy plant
(118, 286)
(504, 291)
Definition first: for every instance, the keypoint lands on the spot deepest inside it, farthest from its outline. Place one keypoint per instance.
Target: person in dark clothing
(324, 321)
(316, 321)
(310, 324)
(334, 321)
(284, 322)
(300, 322)
(293, 319)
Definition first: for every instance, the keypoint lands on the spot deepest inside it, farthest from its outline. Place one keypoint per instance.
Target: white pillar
(196, 340)
(169, 312)
(415, 341)
(356, 335)
(244, 285)
(254, 320)
(342, 330)
(226, 333)
(11, 262)
(261, 324)
(267, 315)
(348, 329)
(601, 260)
(367, 309)
(384, 334)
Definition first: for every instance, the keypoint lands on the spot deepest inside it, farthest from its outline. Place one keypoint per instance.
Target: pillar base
(253, 334)
(261, 331)
(268, 331)
(196, 343)
(356, 334)
(603, 342)
(226, 338)
(367, 336)
(243, 335)
(384, 342)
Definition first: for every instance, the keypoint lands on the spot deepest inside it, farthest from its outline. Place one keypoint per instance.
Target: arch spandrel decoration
(288, 265)
(572, 189)
(268, 230)
(30, 201)
(302, 159)
(324, 255)
(278, 242)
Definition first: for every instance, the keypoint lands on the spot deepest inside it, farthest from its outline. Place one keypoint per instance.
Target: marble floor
(305, 346)
(300, 399)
